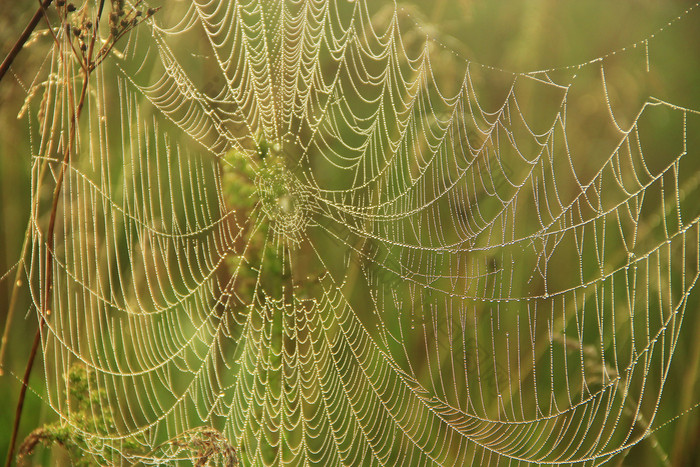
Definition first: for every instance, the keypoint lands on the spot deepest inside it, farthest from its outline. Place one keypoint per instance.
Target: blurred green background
(516, 36)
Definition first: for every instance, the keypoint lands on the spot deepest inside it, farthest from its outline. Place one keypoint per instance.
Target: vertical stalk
(23, 38)
(48, 264)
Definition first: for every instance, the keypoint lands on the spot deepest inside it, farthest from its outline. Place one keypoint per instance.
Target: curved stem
(23, 38)
(13, 301)
(48, 265)
(22, 394)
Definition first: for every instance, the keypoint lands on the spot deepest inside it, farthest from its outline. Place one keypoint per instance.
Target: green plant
(329, 235)
(89, 419)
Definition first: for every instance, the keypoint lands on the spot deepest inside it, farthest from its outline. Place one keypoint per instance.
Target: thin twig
(17, 283)
(23, 38)
(22, 394)
(13, 301)
(75, 115)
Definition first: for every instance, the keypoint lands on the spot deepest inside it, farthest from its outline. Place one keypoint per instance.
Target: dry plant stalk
(85, 36)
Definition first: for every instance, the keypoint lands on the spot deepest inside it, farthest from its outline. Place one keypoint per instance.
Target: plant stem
(22, 393)
(17, 284)
(13, 302)
(45, 310)
(23, 38)
(48, 268)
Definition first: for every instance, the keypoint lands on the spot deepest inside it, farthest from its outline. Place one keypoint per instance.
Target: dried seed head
(60, 3)
(70, 7)
(76, 32)
(150, 11)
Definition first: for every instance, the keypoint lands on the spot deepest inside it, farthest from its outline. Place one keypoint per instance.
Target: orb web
(324, 232)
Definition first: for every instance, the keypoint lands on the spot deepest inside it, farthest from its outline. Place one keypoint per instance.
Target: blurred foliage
(514, 36)
(89, 413)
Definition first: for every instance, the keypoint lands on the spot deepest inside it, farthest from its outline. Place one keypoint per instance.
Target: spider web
(318, 228)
